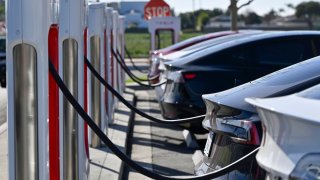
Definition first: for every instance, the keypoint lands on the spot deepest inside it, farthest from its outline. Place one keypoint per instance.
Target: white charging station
(95, 44)
(115, 67)
(74, 161)
(156, 24)
(108, 69)
(122, 51)
(27, 73)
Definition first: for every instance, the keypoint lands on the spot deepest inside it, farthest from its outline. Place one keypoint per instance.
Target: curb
(103, 163)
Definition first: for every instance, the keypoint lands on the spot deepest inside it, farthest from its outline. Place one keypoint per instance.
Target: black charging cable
(130, 58)
(132, 76)
(120, 60)
(133, 108)
(231, 167)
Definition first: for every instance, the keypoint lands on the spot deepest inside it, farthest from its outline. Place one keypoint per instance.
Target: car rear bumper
(248, 171)
(176, 110)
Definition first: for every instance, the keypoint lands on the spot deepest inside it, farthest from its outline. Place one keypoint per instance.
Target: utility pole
(194, 16)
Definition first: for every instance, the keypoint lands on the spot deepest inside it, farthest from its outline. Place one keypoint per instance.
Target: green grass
(129, 80)
(138, 44)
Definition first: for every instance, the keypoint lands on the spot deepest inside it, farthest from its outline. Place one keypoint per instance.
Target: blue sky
(259, 6)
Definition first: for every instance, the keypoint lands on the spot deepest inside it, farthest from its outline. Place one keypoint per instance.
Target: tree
(234, 8)
(202, 19)
(201, 16)
(252, 18)
(272, 14)
(309, 10)
(2, 11)
(216, 12)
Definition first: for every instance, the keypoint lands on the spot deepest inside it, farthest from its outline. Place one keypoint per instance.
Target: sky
(261, 7)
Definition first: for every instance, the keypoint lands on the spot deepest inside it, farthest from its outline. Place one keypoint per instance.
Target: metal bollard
(74, 162)
(27, 68)
(96, 57)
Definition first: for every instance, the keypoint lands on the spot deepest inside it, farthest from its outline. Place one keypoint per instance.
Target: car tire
(3, 84)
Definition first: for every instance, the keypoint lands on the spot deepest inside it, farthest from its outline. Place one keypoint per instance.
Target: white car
(290, 148)
(234, 125)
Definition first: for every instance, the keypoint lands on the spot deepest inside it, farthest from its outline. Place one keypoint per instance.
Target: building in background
(133, 11)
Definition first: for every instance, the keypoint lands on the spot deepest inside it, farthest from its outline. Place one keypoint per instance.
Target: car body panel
(292, 126)
(268, 85)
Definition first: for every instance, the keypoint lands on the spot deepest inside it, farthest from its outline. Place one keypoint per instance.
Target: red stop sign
(156, 8)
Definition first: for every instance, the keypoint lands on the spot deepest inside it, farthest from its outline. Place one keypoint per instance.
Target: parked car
(234, 125)
(154, 55)
(230, 64)
(290, 147)
(3, 61)
(195, 48)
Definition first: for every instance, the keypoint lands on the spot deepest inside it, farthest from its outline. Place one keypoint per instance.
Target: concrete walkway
(158, 147)
(3, 152)
(103, 163)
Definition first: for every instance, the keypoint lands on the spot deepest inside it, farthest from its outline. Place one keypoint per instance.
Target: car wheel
(3, 84)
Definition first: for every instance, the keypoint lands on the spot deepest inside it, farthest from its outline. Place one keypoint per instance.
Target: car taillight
(242, 131)
(189, 76)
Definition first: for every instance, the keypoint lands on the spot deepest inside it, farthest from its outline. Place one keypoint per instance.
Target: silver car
(290, 147)
(234, 125)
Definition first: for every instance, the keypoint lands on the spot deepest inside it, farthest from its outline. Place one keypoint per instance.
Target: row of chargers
(48, 139)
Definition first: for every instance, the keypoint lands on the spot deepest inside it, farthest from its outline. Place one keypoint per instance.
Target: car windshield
(311, 93)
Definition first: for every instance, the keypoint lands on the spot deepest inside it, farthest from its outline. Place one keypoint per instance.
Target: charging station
(74, 161)
(157, 24)
(95, 44)
(85, 78)
(121, 32)
(108, 69)
(115, 67)
(28, 25)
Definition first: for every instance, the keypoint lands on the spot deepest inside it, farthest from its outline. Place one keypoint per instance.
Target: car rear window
(284, 52)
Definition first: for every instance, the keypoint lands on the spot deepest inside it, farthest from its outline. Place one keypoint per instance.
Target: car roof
(223, 39)
(205, 44)
(194, 39)
(256, 37)
(268, 85)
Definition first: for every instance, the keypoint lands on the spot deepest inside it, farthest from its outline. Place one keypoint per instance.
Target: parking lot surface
(3, 105)
(158, 147)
